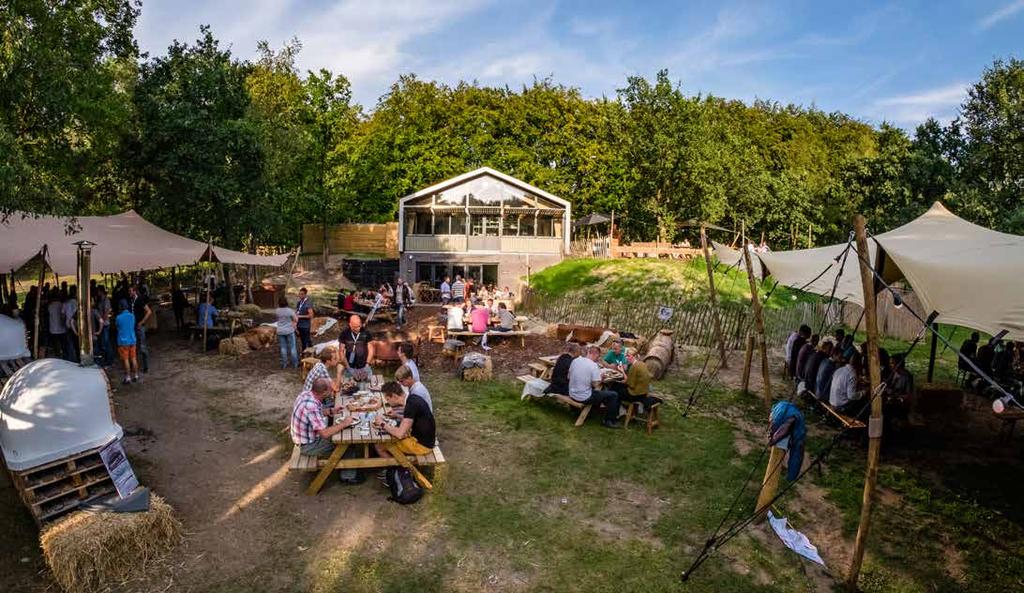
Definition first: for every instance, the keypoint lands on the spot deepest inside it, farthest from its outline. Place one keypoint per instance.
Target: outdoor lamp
(897, 301)
(999, 405)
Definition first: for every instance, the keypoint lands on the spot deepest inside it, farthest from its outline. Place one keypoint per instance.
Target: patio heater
(85, 302)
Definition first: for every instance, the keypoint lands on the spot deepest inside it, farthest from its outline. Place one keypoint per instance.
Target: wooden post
(39, 298)
(867, 281)
(748, 359)
(713, 297)
(931, 356)
(770, 484)
(755, 302)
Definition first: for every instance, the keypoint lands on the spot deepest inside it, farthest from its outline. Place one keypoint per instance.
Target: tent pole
(875, 423)
(713, 297)
(755, 302)
(931, 355)
(39, 298)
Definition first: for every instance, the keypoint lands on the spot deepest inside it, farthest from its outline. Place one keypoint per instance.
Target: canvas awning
(733, 258)
(970, 275)
(123, 242)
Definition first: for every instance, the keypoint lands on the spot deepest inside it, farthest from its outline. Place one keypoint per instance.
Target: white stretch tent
(51, 409)
(970, 275)
(124, 242)
(734, 258)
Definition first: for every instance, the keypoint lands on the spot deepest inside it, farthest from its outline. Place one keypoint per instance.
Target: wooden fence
(356, 238)
(690, 317)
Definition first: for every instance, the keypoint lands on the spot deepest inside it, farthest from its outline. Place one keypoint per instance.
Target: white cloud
(994, 18)
(940, 103)
(589, 27)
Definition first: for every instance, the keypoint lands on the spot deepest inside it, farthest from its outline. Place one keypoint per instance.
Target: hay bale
(91, 551)
(236, 346)
(250, 310)
(552, 331)
(483, 373)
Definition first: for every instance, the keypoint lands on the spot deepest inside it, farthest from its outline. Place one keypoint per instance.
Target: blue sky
(879, 61)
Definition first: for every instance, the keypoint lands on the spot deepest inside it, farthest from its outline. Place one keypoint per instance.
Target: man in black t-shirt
(358, 349)
(139, 303)
(560, 374)
(416, 434)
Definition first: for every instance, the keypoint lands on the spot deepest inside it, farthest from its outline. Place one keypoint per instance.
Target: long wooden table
(354, 437)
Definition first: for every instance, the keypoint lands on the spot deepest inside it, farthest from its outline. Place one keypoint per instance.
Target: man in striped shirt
(458, 290)
(309, 429)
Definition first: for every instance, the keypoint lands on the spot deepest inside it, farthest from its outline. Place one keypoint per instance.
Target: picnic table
(535, 385)
(361, 438)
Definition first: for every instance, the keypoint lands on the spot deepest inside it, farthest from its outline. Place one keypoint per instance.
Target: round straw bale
(89, 551)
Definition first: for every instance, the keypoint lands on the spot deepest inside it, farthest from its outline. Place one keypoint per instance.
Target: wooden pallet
(56, 488)
(9, 367)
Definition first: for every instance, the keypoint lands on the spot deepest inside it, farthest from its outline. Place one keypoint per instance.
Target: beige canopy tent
(970, 275)
(124, 242)
(734, 258)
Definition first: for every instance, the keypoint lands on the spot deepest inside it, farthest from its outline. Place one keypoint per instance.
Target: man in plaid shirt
(328, 360)
(309, 421)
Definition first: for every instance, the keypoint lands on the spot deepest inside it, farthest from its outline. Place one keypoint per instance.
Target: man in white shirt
(404, 377)
(843, 394)
(405, 354)
(446, 291)
(585, 386)
(70, 311)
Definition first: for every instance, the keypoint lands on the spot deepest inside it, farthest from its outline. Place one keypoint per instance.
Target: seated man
(456, 318)
(359, 350)
(560, 374)
(795, 347)
(843, 395)
(506, 319)
(328, 360)
(405, 355)
(309, 427)
(616, 358)
(637, 387)
(968, 350)
(206, 314)
(405, 378)
(899, 389)
(585, 386)
(416, 431)
(823, 382)
(810, 376)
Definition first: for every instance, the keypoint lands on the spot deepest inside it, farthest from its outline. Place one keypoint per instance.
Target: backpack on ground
(403, 486)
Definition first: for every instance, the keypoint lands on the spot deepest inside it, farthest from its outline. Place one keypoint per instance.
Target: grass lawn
(648, 279)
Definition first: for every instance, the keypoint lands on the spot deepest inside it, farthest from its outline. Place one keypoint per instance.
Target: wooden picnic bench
(846, 421)
(492, 333)
(362, 441)
(565, 399)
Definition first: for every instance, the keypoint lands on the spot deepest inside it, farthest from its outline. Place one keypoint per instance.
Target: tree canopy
(245, 152)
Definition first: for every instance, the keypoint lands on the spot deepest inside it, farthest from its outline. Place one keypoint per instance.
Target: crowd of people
(118, 323)
(479, 317)
(469, 290)
(1001, 360)
(578, 373)
(833, 370)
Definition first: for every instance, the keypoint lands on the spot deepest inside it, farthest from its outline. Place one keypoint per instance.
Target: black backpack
(403, 486)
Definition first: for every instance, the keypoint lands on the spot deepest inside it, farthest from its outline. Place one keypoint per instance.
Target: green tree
(63, 102)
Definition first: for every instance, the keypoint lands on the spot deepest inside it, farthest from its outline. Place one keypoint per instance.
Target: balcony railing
(464, 244)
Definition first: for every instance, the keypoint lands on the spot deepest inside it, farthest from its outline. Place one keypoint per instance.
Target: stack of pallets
(59, 487)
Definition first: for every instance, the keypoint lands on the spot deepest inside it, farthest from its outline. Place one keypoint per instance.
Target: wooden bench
(565, 399)
(652, 419)
(846, 421)
(492, 334)
(310, 463)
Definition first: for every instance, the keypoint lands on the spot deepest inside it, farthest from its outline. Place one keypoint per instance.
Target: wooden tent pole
(875, 423)
(39, 298)
(755, 302)
(713, 297)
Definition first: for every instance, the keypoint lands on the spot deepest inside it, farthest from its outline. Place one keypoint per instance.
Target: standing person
(127, 339)
(70, 312)
(29, 315)
(349, 304)
(99, 352)
(359, 352)
(403, 299)
(458, 290)
(179, 302)
(470, 284)
(405, 352)
(446, 291)
(106, 316)
(286, 322)
(304, 312)
(585, 386)
(140, 309)
(56, 325)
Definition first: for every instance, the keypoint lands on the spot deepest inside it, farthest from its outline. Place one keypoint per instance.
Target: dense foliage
(245, 152)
